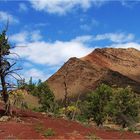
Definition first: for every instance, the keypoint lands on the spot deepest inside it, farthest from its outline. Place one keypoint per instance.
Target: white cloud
(83, 39)
(126, 45)
(55, 53)
(36, 74)
(26, 36)
(19, 37)
(4, 16)
(62, 7)
(115, 37)
(36, 35)
(23, 7)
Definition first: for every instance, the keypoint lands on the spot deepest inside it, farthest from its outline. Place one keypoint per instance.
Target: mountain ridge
(115, 67)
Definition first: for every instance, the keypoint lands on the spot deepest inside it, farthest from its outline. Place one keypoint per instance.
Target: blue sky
(48, 32)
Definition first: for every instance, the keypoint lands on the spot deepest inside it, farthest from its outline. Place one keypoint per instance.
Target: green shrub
(119, 105)
(46, 97)
(39, 128)
(123, 107)
(81, 118)
(49, 132)
(70, 111)
(96, 102)
(46, 132)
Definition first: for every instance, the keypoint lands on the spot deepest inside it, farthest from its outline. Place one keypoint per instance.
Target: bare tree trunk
(65, 101)
(66, 94)
(5, 95)
(5, 68)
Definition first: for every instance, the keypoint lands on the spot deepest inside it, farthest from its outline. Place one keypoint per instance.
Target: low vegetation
(45, 132)
(117, 105)
(49, 132)
(105, 104)
(92, 136)
(42, 91)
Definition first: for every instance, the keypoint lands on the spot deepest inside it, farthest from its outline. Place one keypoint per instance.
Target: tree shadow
(2, 112)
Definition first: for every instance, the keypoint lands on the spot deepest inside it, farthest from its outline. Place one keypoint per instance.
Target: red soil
(64, 129)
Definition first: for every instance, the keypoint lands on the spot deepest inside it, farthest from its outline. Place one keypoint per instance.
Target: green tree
(39, 82)
(46, 97)
(96, 102)
(123, 107)
(31, 85)
(30, 81)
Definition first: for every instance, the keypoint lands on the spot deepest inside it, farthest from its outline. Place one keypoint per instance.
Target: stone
(5, 118)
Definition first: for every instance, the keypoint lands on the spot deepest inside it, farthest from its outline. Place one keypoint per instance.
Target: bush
(46, 132)
(17, 99)
(69, 111)
(123, 107)
(81, 118)
(120, 105)
(49, 132)
(45, 95)
(96, 102)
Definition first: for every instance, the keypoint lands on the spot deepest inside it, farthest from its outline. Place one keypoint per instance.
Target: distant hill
(115, 67)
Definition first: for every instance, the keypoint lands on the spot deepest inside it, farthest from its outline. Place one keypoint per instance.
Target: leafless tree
(7, 69)
(65, 76)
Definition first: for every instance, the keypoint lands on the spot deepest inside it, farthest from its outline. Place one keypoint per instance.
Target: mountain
(112, 66)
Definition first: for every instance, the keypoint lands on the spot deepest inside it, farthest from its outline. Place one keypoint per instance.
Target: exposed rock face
(124, 61)
(119, 67)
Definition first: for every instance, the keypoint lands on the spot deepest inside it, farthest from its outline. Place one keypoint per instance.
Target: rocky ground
(31, 125)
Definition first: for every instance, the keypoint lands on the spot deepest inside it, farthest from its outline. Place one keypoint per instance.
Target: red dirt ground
(64, 129)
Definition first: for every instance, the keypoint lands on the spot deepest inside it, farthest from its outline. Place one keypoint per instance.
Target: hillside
(124, 61)
(31, 125)
(115, 67)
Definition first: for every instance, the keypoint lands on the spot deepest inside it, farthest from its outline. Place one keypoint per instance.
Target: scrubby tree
(31, 85)
(120, 105)
(21, 83)
(39, 82)
(123, 107)
(7, 69)
(42, 91)
(96, 102)
(46, 97)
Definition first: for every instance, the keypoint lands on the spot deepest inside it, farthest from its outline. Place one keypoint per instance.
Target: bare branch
(6, 27)
(12, 71)
(14, 76)
(15, 54)
(9, 67)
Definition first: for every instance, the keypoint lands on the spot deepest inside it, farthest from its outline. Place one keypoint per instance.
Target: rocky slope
(26, 124)
(117, 67)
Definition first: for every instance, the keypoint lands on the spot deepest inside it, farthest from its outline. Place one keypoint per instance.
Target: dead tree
(65, 76)
(7, 69)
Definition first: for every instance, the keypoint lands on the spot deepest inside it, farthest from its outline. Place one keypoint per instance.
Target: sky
(46, 33)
